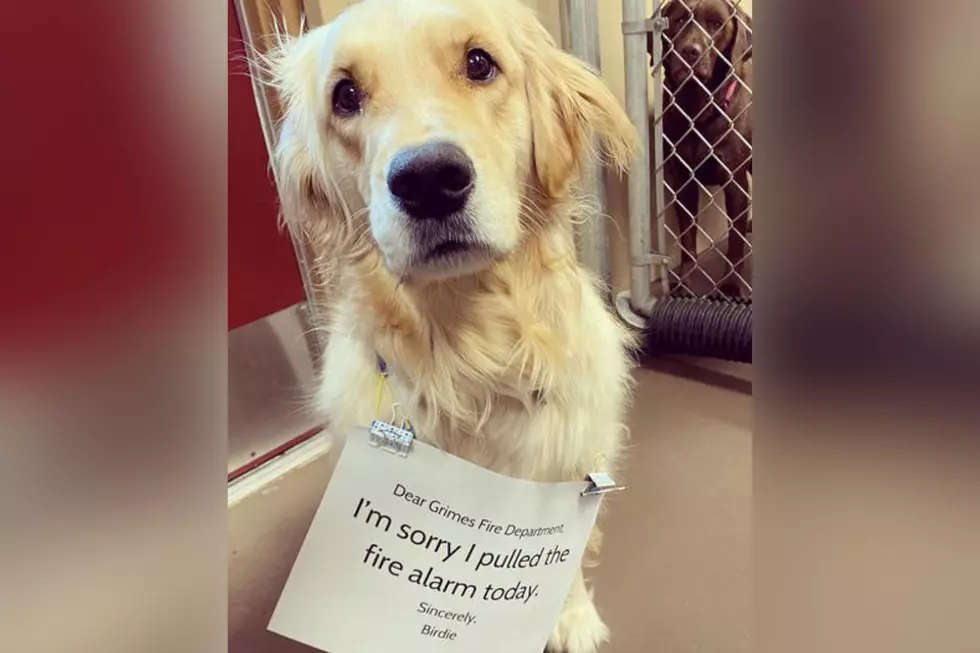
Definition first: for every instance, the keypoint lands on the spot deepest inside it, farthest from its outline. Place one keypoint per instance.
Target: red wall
(88, 188)
(263, 275)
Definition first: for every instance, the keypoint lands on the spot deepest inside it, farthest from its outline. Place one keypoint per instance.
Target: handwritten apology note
(429, 552)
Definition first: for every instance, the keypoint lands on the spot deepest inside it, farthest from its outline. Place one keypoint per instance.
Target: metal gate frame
(636, 304)
(580, 26)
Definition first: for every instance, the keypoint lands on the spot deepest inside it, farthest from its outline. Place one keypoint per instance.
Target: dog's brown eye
(346, 98)
(480, 66)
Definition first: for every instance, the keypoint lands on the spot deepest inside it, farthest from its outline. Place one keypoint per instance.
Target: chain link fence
(702, 111)
(690, 191)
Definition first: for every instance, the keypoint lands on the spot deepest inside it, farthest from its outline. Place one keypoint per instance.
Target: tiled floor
(675, 573)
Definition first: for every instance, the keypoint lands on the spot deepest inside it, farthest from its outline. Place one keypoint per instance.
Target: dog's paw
(579, 630)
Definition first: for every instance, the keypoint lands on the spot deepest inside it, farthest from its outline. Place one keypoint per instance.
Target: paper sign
(429, 552)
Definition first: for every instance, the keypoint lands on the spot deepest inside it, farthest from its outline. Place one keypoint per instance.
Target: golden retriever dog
(431, 149)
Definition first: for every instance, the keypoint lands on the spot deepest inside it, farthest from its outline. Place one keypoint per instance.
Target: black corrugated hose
(713, 328)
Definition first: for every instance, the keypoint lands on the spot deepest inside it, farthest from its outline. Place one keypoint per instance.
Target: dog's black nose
(431, 181)
(691, 52)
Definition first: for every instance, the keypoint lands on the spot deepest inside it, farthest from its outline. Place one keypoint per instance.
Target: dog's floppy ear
(310, 202)
(741, 49)
(569, 105)
(300, 192)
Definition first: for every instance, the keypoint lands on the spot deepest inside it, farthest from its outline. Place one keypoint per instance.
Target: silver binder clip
(391, 438)
(601, 483)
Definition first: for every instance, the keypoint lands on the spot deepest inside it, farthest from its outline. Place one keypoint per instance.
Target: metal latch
(658, 24)
(391, 438)
(656, 258)
(601, 483)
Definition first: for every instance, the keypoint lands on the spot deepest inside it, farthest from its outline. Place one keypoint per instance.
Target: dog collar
(536, 395)
(396, 408)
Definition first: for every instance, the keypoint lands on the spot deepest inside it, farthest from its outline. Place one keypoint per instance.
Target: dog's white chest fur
(549, 420)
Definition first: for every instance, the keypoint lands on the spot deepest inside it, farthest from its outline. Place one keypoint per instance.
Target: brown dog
(707, 123)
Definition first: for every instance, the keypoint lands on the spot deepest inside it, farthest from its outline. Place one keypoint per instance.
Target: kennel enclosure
(689, 299)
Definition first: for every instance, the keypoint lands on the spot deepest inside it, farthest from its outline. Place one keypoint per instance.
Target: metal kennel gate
(702, 307)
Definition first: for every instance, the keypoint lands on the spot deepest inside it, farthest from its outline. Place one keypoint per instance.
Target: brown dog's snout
(431, 181)
(691, 52)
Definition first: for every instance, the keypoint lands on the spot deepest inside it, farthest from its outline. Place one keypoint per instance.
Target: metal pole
(636, 69)
(583, 42)
(267, 121)
(658, 163)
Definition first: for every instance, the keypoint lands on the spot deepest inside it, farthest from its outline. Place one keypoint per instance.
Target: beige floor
(675, 574)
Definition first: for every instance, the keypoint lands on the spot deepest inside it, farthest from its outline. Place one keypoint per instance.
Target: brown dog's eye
(346, 98)
(480, 66)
